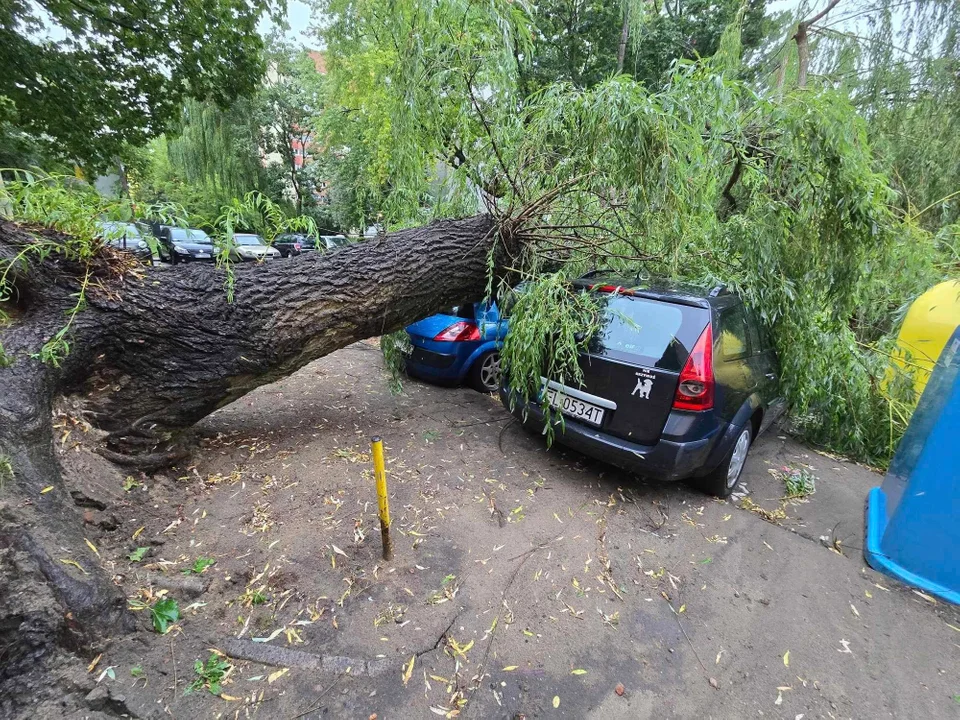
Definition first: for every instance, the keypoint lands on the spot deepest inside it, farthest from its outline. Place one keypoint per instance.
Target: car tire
(722, 481)
(485, 372)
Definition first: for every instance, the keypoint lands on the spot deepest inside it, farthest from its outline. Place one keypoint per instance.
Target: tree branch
(803, 43)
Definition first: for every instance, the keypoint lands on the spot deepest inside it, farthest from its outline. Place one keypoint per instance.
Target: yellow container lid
(929, 323)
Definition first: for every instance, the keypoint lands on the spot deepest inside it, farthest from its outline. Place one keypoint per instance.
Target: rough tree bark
(156, 350)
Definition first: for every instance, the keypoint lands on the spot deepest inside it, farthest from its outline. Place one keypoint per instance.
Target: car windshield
(642, 329)
(248, 239)
(113, 230)
(190, 235)
(335, 240)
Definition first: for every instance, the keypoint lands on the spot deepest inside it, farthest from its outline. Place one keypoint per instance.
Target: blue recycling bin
(913, 518)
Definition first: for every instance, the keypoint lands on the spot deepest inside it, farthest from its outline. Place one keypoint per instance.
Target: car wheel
(485, 372)
(725, 479)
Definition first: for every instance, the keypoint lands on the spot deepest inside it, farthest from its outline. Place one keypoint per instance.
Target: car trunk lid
(634, 363)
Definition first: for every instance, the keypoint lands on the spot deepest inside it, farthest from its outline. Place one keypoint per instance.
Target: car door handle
(770, 376)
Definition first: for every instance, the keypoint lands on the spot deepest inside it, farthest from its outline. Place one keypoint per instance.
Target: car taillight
(695, 389)
(459, 331)
(296, 246)
(611, 289)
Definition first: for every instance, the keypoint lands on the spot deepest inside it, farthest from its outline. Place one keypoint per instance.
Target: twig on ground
(316, 703)
(174, 659)
(483, 422)
(502, 431)
(503, 596)
(676, 615)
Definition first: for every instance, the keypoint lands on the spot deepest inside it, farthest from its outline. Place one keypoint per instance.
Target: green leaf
(138, 554)
(164, 613)
(201, 564)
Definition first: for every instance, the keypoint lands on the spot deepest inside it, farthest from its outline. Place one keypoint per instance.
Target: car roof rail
(719, 290)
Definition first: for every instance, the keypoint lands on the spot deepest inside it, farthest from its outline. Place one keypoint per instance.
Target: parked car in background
(324, 243)
(461, 344)
(335, 241)
(178, 245)
(290, 244)
(126, 236)
(248, 246)
(677, 384)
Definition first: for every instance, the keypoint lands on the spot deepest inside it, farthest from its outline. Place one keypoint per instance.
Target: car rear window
(190, 235)
(648, 332)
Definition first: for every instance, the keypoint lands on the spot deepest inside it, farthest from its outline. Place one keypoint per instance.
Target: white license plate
(575, 407)
(202, 255)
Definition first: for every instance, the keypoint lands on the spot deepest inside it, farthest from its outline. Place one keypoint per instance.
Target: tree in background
(586, 41)
(290, 98)
(897, 62)
(208, 157)
(91, 77)
(211, 155)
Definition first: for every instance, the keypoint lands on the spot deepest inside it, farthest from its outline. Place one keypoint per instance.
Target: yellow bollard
(380, 473)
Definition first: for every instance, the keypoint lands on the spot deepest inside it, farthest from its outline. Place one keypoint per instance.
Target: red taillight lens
(611, 289)
(297, 246)
(459, 332)
(695, 389)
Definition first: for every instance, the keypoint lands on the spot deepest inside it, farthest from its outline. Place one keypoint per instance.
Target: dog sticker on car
(644, 385)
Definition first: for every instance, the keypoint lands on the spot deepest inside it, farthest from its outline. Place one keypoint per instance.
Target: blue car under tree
(461, 344)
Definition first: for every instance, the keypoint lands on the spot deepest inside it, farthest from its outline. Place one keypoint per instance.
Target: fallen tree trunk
(154, 351)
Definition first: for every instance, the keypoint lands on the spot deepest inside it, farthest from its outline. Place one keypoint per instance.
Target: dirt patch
(526, 581)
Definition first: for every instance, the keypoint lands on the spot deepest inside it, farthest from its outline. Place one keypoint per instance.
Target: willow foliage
(774, 192)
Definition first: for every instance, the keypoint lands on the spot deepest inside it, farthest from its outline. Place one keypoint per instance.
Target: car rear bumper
(430, 365)
(667, 460)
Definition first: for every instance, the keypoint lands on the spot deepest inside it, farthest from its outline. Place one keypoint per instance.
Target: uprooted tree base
(154, 351)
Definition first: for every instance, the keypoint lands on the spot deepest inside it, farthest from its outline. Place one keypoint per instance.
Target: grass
(199, 565)
(210, 675)
(800, 482)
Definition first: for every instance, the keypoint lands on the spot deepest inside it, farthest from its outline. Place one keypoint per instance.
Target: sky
(298, 18)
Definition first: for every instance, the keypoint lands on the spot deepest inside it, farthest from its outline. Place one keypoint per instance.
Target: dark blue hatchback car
(460, 344)
(676, 385)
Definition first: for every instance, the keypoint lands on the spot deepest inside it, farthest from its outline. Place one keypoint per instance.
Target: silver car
(247, 246)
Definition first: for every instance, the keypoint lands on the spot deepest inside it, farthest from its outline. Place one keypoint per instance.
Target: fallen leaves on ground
(408, 670)
(92, 547)
(77, 565)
